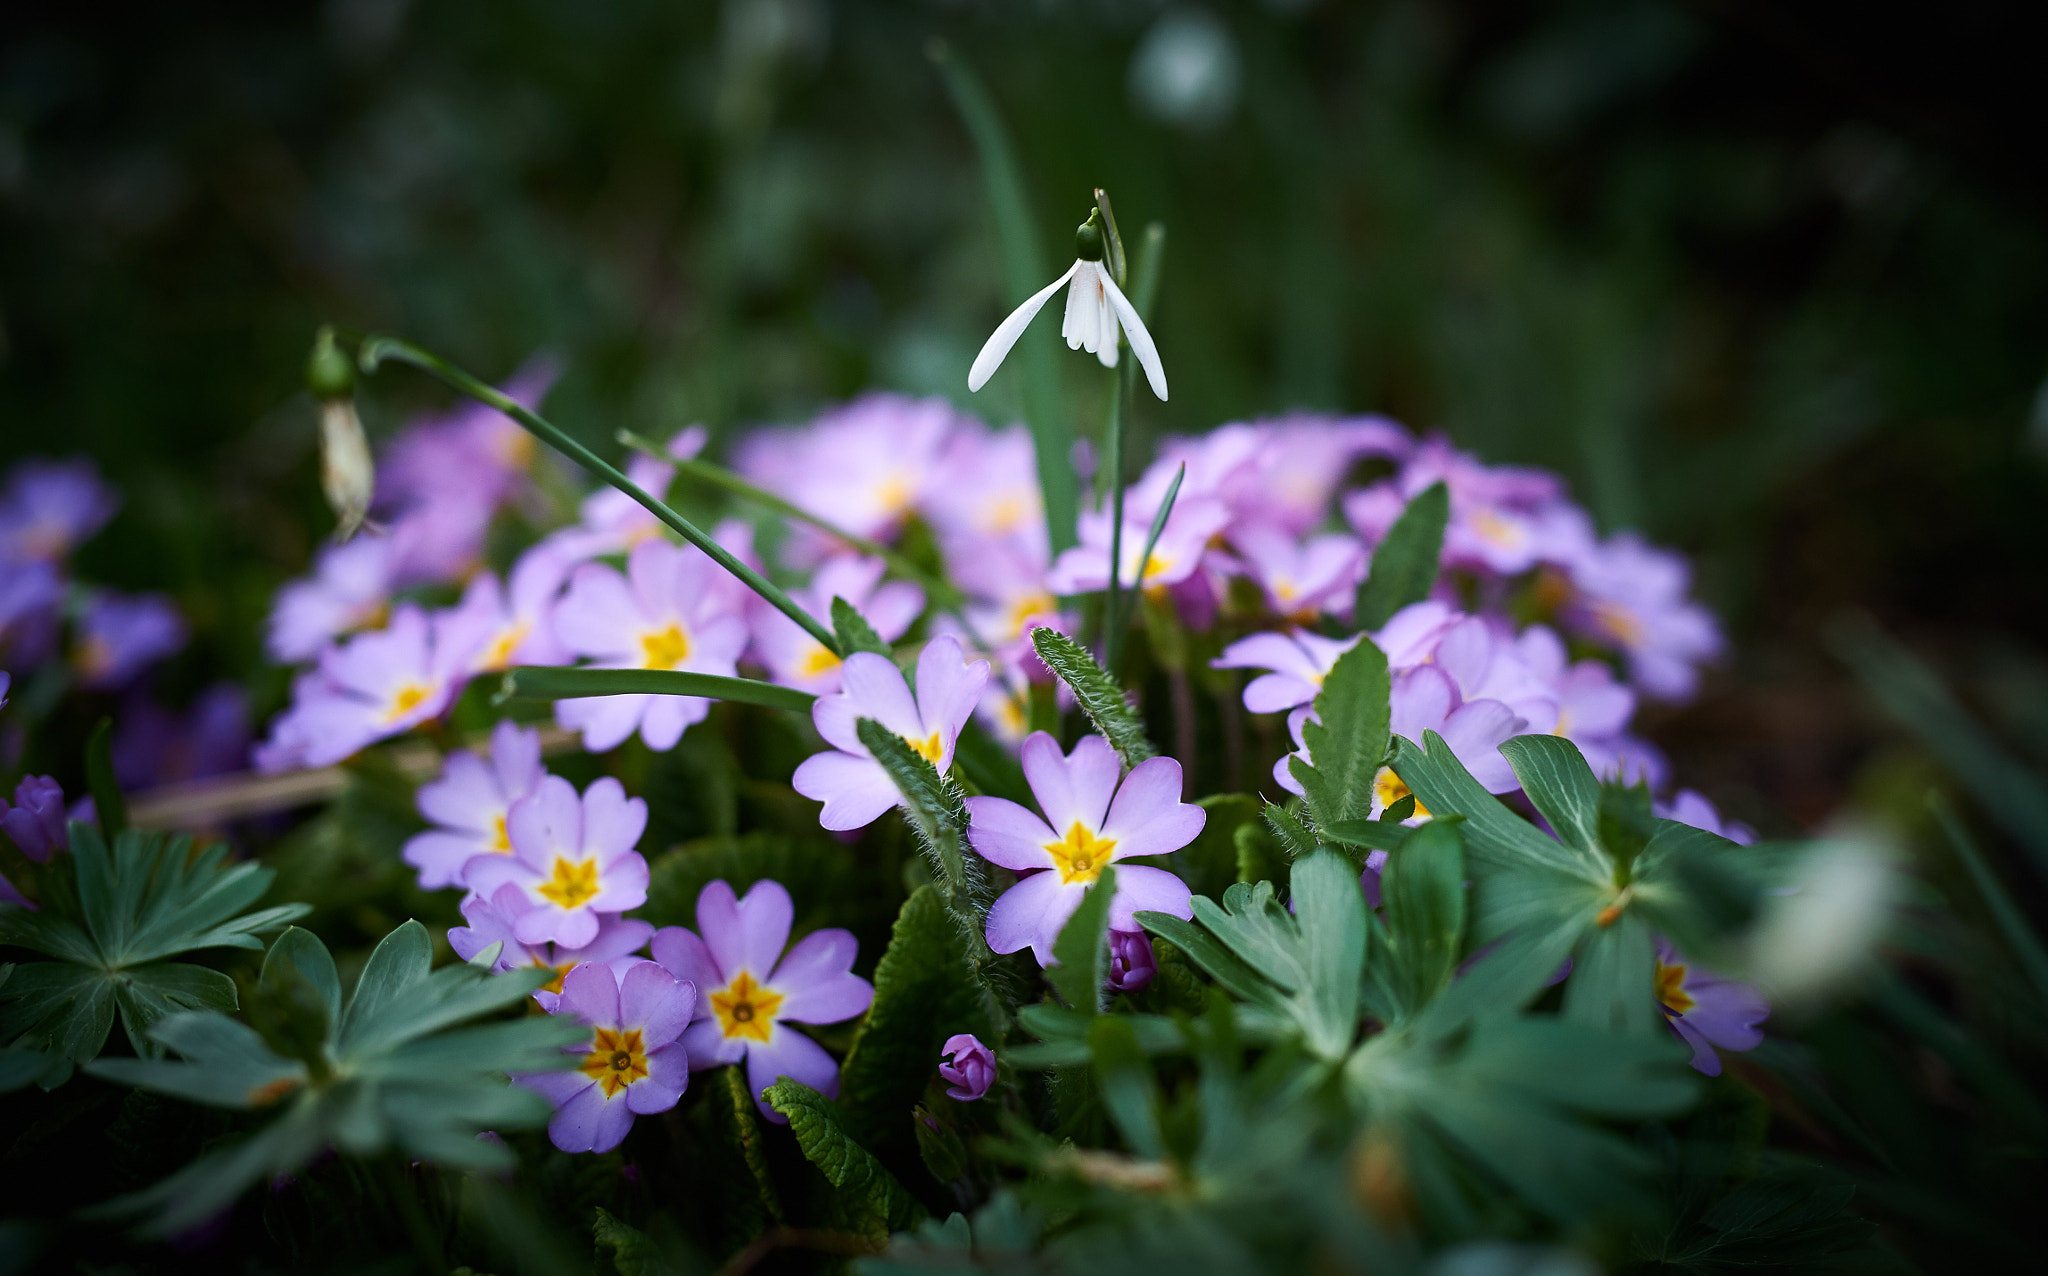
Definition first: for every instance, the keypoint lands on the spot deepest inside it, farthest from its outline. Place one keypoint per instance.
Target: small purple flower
(375, 686)
(474, 453)
(1706, 1010)
(1504, 519)
(667, 612)
(984, 491)
(846, 778)
(611, 522)
(752, 990)
(471, 803)
(121, 635)
(50, 508)
(1633, 596)
(1183, 542)
(494, 920)
(1593, 710)
(1301, 578)
(154, 745)
(1296, 664)
(1426, 699)
(967, 1066)
(633, 1064)
(864, 467)
(350, 589)
(794, 658)
(512, 626)
(30, 592)
(1131, 960)
(1083, 829)
(1690, 807)
(36, 819)
(573, 858)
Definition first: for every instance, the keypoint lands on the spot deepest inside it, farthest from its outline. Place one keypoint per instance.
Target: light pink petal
(655, 1002)
(747, 933)
(547, 823)
(598, 616)
(616, 938)
(1074, 787)
(892, 607)
(440, 856)
(551, 924)
(621, 885)
(467, 796)
(490, 874)
(708, 1046)
(948, 688)
(668, 1075)
(1475, 732)
(873, 687)
(605, 721)
(855, 791)
(1422, 698)
(612, 822)
(591, 994)
(515, 759)
(789, 1053)
(1004, 833)
(687, 958)
(1148, 817)
(1030, 914)
(1147, 890)
(817, 979)
(590, 1122)
(1278, 692)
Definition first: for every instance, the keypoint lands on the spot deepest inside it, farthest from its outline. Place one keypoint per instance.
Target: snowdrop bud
(1088, 239)
(347, 475)
(1821, 929)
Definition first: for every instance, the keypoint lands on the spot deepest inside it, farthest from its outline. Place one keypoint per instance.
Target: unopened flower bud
(971, 1067)
(1088, 239)
(329, 374)
(1131, 962)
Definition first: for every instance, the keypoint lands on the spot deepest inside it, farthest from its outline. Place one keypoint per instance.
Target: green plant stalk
(942, 591)
(1024, 272)
(1145, 275)
(538, 682)
(1137, 590)
(376, 349)
(2012, 923)
(1113, 468)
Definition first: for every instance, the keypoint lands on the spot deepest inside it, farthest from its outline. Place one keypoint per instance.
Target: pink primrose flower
(1632, 596)
(752, 990)
(470, 804)
(372, 687)
(634, 1062)
(1184, 540)
(1426, 699)
(967, 1067)
(666, 612)
(120, 635)
(864, 467)
(572, 858)
(1706, 1010)
(1090, 820)
(494, 920)
(793, 657)
(1296, 663)
(1301, 578)
(846, 778)
(507, 626)
(350, 589)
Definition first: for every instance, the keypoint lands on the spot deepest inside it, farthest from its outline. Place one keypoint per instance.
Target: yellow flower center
(1015, 713)
(408, 697)
(1080, 855)
(1495, 530)
(817, 661)
(498, 656)
(930, 749)
(894, 494)
(746, 1009)
(665, 648)
(561, 972)
(1671, 989)
(1025, 608)
(1003, 514)
(501, 841)
(616, 1060)
(1390, 788)
(1619, 622)
(572, 884)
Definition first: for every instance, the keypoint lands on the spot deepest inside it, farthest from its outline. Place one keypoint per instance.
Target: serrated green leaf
(869, 1200)
(924, 993)
(1347, 736)
(1404, 565)
(854, 631)
(938, 811)
(1294, 839)
(1097, 693)
(1423, 887)
(1081, 952)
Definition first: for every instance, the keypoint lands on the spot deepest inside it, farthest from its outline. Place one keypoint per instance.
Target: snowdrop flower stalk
(1096, 308)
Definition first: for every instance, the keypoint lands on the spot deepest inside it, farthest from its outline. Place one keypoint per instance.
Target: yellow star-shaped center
(616, 1059)
(664, 648)
(572, 884)
(1081, 854)
(745, 1008)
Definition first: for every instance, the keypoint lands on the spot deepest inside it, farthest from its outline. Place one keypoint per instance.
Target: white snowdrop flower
(1095, 309)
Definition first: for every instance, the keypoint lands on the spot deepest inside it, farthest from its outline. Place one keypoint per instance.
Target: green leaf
(1329, 909)
(1404, 565)
(1222, 965)
(1495, 837)
(230, 1067)
(938, 811)
(107, 802)
(1209, 864)
(1555, 776)
(854, 631)
(1294, 838)
(1098, 694)
(627, 1250)
(1081, 953)
(299, 955)
(1260, 857)
(1024, 273)
(400, 961)
(869, 1200)
(1387, 833)
(1123, 1077)
(1423, 888)
(747, 1202)
(542, 683)
(1613, 982)
(1347, 736)
(924, 993)
(147, 994)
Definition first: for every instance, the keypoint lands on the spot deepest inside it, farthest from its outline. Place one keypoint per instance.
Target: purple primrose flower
(513, 625)
(154, 745)
(668, 611)
(36, 819)
(122, 634)
(863, 467)
(1083, 829)
(1131, 960)
(794, 658)
(1183, 542)
(494, 920)
(1296, 663)
(572, 858)
(634, 1063)
(1301, 578)
(753, 990)
(375, 686)
(50, 508)
(967, 1067)
(1706, 1010)
(30, 593)
(1690, 807)
(470, 805)
(611, 522)
(350, 589)
(1633, 596)
(846, 778)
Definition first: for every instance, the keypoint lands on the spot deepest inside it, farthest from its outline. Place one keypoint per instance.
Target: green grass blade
(2012, 923)
(535, 682)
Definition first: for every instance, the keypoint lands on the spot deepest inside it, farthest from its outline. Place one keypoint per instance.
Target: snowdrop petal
(1005, 336)
(1141, 340)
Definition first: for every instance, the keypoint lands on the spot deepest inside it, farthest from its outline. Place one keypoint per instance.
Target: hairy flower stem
(376, 349)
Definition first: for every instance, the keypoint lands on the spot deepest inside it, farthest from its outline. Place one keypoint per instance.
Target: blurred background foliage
(1766, 280)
